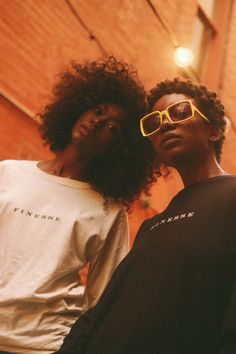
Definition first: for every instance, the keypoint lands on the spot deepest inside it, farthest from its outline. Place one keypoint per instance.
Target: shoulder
(16, 164)
(226, 180)
(7, 164)
(4, 163)
(226, 185)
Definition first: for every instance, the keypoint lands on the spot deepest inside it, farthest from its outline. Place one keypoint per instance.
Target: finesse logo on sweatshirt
(179, 217)
(34, 215)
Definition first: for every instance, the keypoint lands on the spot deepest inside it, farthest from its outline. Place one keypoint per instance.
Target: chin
(172, 156)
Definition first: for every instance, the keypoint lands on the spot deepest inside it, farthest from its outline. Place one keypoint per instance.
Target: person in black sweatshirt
(175, 292)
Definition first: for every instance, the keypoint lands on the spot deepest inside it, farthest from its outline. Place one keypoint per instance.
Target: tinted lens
(151, 123)
(180, 111)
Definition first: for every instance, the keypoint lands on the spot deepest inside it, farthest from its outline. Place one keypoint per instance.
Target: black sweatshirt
(175, 293)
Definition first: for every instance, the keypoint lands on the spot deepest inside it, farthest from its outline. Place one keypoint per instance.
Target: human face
(98, 128)
(176, 143)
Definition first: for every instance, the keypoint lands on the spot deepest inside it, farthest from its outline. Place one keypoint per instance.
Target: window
(203, 32)
(208, 7)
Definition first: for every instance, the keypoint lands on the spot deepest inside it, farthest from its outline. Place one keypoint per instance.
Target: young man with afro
(175, 293)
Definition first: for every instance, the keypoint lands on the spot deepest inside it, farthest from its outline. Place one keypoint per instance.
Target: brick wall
(19, 135)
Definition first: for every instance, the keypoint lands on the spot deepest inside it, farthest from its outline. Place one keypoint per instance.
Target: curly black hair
(207, 102)
(130, 166)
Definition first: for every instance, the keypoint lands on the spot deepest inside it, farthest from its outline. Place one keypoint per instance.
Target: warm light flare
(183, 56)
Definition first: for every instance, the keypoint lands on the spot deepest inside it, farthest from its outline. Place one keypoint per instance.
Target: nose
(166, 124)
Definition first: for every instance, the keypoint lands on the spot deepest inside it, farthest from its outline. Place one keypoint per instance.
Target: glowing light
(183, 56)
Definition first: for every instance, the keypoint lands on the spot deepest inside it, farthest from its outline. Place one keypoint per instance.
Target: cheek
(155, 140)
(75, 135)
(75, 131)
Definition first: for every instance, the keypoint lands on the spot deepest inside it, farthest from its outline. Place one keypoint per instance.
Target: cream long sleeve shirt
(50, 227)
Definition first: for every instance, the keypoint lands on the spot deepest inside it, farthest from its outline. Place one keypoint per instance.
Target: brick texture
(19, 135)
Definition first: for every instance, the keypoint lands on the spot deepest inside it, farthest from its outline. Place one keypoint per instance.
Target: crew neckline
(203, 182)
(58, 179)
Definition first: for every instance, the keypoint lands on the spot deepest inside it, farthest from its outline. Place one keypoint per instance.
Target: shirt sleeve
(102, 265)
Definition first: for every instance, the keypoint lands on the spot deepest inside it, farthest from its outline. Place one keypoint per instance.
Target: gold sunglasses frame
(166, 113)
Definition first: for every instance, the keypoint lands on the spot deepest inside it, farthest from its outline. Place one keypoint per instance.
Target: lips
(169, 138)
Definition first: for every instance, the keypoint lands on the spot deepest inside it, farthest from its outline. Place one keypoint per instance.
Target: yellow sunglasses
(175, 113)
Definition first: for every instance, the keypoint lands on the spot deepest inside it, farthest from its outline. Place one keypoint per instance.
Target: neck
(68, 164)
(195, 171)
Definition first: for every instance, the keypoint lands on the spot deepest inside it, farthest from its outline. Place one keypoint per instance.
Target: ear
(214, 133)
